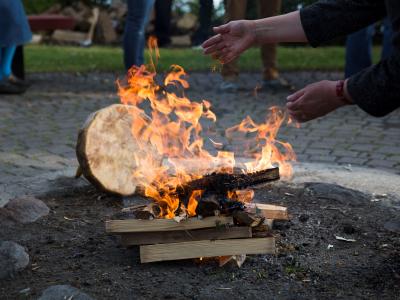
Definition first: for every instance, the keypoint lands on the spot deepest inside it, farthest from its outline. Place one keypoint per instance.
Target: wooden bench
(40, 23)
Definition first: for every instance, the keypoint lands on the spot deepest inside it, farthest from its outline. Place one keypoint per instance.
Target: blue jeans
(134, 35)
(359, 48)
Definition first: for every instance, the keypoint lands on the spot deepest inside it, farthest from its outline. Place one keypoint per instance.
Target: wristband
(340, 92)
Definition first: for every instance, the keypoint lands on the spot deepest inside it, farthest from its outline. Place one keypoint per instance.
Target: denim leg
(142, 43)
(358, 51)
(7, 55)
(136, 21)
(387, 38)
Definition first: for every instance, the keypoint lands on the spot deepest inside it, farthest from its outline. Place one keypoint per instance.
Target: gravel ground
(70, 246)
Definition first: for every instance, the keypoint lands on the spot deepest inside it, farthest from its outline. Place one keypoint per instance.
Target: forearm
(283, 28)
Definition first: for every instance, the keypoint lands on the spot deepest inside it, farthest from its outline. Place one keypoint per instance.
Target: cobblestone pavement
(38, 130)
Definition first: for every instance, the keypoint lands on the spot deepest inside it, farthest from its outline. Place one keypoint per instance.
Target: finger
(222, 29)
(295, 105)
(211, 41)
(293, 97)
(214, 48)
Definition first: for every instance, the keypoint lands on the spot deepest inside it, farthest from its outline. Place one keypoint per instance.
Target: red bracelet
(340, 91)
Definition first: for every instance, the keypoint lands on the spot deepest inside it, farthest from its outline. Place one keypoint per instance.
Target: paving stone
(363, 147)
(345, 153)
(381, 163)
(313, 151)
(389, 150)
(352, 160)
(323, 158)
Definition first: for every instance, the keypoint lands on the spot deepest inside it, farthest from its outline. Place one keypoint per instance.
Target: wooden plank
(223, 233)
(185, 250)
(268, 211)
(134, 225)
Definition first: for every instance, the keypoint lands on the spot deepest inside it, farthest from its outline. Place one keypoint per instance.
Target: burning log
(107, 153)
(221, 183)
(208, 206)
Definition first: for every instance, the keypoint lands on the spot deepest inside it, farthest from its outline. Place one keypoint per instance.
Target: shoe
(7, 87)
(276, 85)
(227, 86)
(17, 81)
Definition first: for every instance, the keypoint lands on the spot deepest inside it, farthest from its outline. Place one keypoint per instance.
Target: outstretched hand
(230, 40)
(313, 101)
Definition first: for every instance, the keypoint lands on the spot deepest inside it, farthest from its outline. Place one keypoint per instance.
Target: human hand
(231, 40)
(315, 100)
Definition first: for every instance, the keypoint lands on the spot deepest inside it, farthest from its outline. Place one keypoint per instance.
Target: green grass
(45, 58)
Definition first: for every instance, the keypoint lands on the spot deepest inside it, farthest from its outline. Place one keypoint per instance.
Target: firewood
(207, 248)
(238, 259)
(221, 183)
(268, 211)
(123, 226)
(248, 219)
(107, 153)
(144, 212)
(223, 233)
(208, 205)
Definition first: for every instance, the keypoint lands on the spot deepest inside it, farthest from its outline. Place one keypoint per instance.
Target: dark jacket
(377, 88)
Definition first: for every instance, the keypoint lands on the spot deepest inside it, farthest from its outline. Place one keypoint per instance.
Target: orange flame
(172, 131)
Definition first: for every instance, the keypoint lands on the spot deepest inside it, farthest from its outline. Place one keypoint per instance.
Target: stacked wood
(217, 236)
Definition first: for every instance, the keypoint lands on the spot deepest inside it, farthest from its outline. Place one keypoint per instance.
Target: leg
(18, 68)
(269, 8)
(203, 33)
(358, 51)
(235, 10)
(7, 56)
(149, 7)
(9, 84)
(163, 21)
(135, 25)
(387, 38)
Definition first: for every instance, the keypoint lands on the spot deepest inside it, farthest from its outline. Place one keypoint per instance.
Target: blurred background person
(205, 17)
(134, 35)
(359, 48)
(236, 10)
(14, 31)
(162, 23)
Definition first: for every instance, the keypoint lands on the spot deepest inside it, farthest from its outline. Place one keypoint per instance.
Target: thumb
(222, 29)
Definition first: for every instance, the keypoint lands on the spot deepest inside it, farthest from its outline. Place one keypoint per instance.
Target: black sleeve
(325, 20)
(376, 89)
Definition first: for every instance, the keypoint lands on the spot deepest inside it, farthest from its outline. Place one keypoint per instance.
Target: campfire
(154, 144)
